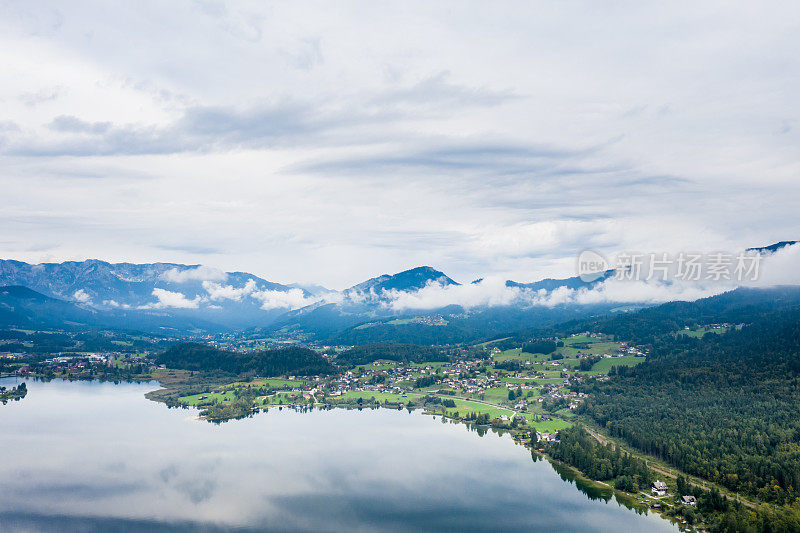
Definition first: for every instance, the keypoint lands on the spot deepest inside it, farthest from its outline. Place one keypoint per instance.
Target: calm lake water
(87, 456)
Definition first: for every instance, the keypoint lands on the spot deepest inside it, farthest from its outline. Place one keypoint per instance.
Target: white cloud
(115, 304)
(269, 299)
(526, 239)
(291, 299)
(357, 296)
(780, 268)
(199, 273)
(645, 292)
(489, 292)
(80, 296)
(217, 291)
(172, 299)
(494, 292)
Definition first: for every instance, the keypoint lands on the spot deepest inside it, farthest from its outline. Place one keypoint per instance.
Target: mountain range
(421, 305)
(194, 298)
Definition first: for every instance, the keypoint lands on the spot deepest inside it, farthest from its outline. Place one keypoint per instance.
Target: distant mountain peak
(408, 280)
(772, 248)
(550, 284)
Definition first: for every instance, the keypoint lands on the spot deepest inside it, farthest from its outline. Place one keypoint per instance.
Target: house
(688, 500)
(548, 437)
(658, 488)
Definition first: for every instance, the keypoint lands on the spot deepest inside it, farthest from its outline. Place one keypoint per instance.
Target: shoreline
(582, 482)
(168, 384)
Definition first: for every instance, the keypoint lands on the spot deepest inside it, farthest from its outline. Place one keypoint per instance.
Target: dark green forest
(540, 346)
(578, 448)
(722, 407)
(392, 351)
(461, 327)
(38, 342)
(283, 361)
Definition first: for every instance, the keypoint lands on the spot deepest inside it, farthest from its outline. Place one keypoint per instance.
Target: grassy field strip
(605, 364)
(208, 397)
(380, 396)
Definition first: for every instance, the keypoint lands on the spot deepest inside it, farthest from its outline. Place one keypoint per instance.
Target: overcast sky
(332, 142)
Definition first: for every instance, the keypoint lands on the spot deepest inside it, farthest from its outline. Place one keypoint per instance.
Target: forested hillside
(392, 351)
(722, 407)
(283, 361)
(459, 326)
(578, 448)
(740, 306)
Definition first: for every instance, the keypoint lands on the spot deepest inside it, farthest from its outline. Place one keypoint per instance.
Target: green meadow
(605, 364)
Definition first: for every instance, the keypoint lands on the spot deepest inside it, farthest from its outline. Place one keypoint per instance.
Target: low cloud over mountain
(239, 300)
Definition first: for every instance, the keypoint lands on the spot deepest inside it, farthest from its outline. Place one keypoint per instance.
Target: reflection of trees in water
(480, 430)
(592, 490)
(595, 491)
(13, 394)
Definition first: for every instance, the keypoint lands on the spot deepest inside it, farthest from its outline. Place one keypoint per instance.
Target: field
(283, 398)
(568, 351)
(467, 406)
(519, 380)
(439, 364)
(378, 396)
(496, 395)
(487, 343)
(402, 321)
(569, 363)
(702, 331)
(227, 396)
(275, 383)
(605, 364)
(207, 398)
(594, 348)
(550, 426)
(517, 353)
(577, 339)
(537, 381)
(381, 365)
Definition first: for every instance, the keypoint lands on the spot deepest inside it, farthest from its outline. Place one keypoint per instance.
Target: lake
(90, 456)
